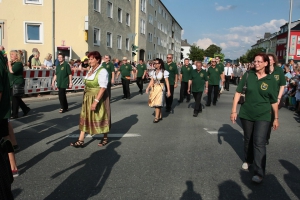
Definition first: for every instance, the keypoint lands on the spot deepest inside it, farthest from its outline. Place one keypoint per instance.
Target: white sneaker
(245, 166)
(257, 179)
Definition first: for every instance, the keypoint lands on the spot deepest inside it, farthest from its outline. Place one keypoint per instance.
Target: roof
(185, 43)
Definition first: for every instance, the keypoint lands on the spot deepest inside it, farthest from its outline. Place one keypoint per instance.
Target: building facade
(74, 27)
(186, 49)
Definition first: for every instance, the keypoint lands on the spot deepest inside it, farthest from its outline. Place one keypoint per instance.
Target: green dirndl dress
(99, 120)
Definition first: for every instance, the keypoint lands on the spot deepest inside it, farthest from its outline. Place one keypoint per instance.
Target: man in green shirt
(141, 72)
(109, 66)
(221, 66)
(197, 81)
(63, 76)
(214, 74)
(125, 70)
(185, 75)
(171, 67)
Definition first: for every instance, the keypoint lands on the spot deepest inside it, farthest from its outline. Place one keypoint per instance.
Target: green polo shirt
(141, 69)
(260, 94)
(125, 70)
(214, 75)
(110, 69)
(279, 77)
(221, 66)
(173, 70)
(186, 72)
(198, 80)
(17, 76)
(5, 109)
(62, 75)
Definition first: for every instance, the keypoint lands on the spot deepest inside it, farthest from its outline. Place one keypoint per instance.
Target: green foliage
(196, 53)
(212, 50)
(221, 56)
(249, 55)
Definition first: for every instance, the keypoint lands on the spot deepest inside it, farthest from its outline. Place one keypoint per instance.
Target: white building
(186, 49)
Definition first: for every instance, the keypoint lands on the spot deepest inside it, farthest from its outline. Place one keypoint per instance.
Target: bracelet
(233, 112)
(206, 88)
(96, 100)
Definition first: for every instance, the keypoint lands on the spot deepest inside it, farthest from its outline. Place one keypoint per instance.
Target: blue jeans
(255, 134)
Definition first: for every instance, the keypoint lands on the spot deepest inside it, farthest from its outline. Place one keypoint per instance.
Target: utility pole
(289, 34)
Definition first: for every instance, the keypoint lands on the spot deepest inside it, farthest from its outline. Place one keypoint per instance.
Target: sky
(233, 25)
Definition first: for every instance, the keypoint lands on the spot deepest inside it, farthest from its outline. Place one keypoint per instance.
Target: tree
(196, 53)
(244, 59)
(212, 50)
(251, 53)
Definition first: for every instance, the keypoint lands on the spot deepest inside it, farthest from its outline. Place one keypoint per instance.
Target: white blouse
(102, 77)
(159, 75)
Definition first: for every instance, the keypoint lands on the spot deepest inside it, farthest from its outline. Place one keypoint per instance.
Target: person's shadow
(233, 137)
(88, 180)
(292, 178)
(124, 125)
(230, 190)
(190, 194)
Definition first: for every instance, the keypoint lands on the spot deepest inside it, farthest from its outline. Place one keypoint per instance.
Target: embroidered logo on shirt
(170, 68)
(264, 86)
(62, 68)
(201, 75)
(126, 67)
(188, 69)
(217, 70)
(276, 77)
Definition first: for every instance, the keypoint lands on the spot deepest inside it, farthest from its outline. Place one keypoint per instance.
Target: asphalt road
(181, 157)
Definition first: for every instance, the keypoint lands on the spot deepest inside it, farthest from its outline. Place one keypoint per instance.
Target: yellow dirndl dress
(99, 120)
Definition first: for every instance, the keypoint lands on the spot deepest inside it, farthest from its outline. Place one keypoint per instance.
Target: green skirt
(97, 121)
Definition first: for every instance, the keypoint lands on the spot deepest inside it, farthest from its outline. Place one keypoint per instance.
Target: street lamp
(289, 34)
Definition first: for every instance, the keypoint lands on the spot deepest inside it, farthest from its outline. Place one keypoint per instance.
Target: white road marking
(112, 135)
(221, 132)
(47, 128)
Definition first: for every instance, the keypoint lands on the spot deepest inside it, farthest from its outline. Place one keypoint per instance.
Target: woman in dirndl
(95, 112)
(159, 82)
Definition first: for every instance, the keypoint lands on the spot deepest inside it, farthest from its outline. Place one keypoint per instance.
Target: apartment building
(74, 27)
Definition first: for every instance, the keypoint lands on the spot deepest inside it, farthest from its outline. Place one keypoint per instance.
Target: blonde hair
(35, 53)
(48, 56)
(19, 56)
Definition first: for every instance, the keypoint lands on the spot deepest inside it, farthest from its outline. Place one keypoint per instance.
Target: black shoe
(179, 101)
(267, 142)
(188, 100)
(195, 114)
(214, 104)
(168, 110)
(14, 117)
(124, 98)
(26, 111)
(200, 111)
(207, 105)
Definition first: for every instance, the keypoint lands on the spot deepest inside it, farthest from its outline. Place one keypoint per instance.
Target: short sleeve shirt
(214, 75)
(110, 69)
(221, 66)
(62, 73)
(279, 76)
(141, 69)
(173, 70)
(125, 70)
(198, 80)
(186, 73)
(17, 76)
(259, 96)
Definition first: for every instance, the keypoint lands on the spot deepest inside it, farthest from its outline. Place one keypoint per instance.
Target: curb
(69, 94)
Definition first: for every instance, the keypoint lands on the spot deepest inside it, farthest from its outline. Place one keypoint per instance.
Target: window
(97, 5)
(159, 10)
(119, 42)
(120, 15)
(109, 9)
(298, 52)
(108, 39)
(280, 53)
(143, 26)
(127, 19)
(155, 14)
(150, 19)
(34, 32)
(97, 36)
(143, 6)
(150, 37)
(39, 2)
(149, 55)
(127, 44)
(151, 2)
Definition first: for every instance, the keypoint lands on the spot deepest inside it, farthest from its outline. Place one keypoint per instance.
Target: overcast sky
(234, 25)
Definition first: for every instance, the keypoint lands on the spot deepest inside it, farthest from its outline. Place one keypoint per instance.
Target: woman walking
(255, 113)
(159, 80)
(15, 74)
(95, 111)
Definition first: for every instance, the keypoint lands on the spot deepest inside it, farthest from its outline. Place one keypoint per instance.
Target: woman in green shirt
(255, 113)
(15, 75)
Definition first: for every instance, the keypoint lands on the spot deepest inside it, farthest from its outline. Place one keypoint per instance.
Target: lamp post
(289, 34)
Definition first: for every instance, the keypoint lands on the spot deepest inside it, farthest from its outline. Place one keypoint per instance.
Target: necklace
(92, 71)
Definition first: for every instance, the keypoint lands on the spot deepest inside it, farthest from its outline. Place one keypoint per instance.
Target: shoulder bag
(18, 90)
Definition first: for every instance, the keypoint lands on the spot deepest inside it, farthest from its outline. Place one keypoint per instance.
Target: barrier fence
(38, 81)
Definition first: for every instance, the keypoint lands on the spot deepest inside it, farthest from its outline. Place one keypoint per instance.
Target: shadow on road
(230, 190)
(293, 177)
(16, 192)
(124, 125)
(88, 180)
(190, 194)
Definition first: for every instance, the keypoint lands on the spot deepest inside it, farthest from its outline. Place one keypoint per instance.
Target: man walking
(109, 66)
(221, 67)
(125, 71)
(171, 67)
(228, 75)
(141, 72)
(214, 76)
(197, 81)
(185, 74)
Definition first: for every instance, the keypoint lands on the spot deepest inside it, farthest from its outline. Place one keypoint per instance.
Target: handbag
(18, 90)
(243, 93)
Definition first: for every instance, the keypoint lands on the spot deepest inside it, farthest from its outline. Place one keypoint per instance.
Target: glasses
(155, 63)
(213, 61)
(169, 57)
(257, 61)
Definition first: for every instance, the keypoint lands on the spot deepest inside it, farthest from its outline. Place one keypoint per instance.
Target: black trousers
(271, 124)
(126, 90)
(197, 97)
(6, 177)
(227, 81)
(169, 100)
(255, 133)
(183, 91)
(216, 93)
(109, 89)
(63, 98)
(16, 103)
(140, 83)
